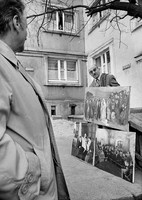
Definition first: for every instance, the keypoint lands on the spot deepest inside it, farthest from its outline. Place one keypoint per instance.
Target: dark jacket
(108, 80)
(105, 80)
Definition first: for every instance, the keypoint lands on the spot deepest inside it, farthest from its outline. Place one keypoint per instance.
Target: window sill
(61, 33)
(57, 84)
(97, 24)
(54, 117)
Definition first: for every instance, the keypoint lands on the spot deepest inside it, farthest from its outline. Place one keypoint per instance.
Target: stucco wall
(56, 44)
(54, 41)
(123, 49)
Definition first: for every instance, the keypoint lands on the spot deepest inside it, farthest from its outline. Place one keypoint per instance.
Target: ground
(86, 182)
(63, 127)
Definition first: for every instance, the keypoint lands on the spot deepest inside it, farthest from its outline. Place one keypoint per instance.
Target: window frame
(74, 25)
(58, 81)
(105, 66)
(55, 110)
(98, 18)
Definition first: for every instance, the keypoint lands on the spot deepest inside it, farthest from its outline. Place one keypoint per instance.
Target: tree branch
(131, 9)
(54, 9)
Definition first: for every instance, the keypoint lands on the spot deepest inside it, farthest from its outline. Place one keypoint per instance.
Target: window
(62, 21)
(97, 17)
(135, 23)
(62, 70)
(53, 110)
(72, 106)
(103, 61)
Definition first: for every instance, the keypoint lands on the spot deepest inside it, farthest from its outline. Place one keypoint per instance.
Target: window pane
(108, 62)
(69, 17)
(71, 70)
(104, 58)
(52, 69)
(69, 22)
(98, 61)
(51, 16)
(62, 71)
(53, 110)
(51, 21)
(108, 57)
(60, 20)
(103, 61)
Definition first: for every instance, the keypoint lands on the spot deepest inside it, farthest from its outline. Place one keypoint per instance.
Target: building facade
(55, 56)
(115, 46)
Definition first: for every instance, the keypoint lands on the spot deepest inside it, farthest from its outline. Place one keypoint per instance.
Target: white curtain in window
(52, 69)
(71, 70)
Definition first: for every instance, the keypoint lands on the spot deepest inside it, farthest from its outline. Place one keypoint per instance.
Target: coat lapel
(42, 100)
(34, 85)
(61, 183)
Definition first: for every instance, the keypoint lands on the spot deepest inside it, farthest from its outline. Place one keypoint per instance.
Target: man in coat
(102, 80)
(30, 167)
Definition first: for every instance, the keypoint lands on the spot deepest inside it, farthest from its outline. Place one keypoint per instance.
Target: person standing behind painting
(30, 167)
(102, 80)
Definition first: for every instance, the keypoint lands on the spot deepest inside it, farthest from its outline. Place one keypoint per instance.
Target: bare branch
(132, 9)
(54, 9)
(42, 22)
(81, 28)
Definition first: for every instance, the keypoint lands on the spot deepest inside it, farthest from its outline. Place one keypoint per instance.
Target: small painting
(83, 141)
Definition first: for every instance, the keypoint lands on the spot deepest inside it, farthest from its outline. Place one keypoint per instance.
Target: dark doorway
(53, 110)
(72, 109)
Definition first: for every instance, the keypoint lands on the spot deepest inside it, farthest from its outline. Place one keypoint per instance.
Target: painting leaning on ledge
(84, 141)
(108, 106)
(115, 152)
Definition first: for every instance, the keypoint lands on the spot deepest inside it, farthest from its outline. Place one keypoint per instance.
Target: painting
(115, 152)
(108, 106)
(83, 141)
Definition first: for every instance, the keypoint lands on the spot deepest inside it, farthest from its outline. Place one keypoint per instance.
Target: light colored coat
(28, 152)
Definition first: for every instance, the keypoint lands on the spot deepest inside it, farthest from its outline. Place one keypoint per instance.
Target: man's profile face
(22, 35)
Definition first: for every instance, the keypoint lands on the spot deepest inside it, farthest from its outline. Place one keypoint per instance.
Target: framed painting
(115, 152)
(83, 142)
(108, 106)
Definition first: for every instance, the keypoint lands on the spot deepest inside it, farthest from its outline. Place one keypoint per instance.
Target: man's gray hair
(8, 9)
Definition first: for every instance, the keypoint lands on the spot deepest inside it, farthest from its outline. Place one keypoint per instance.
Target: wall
(124, 47)
(52, 43)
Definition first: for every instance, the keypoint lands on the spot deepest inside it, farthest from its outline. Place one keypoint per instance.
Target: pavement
(86, 182)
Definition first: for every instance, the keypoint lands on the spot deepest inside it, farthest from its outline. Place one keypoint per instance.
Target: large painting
(108, 106)
(115, 152)
(83, 141)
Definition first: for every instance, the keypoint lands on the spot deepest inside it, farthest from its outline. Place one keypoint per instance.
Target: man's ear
(16, 23)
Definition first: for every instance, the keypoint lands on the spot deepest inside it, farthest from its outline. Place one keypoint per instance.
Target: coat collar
(8, 53)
